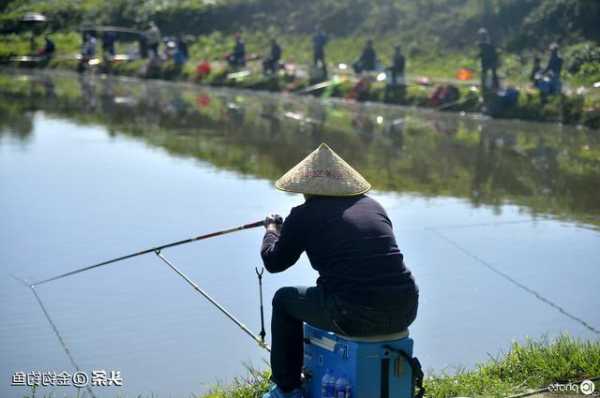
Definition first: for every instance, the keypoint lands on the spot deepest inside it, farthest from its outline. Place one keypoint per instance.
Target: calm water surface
(94, 168)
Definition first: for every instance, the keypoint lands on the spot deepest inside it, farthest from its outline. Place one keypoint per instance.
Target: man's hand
(273, 222)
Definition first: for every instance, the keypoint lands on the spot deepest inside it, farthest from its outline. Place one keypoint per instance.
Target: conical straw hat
(324, 173)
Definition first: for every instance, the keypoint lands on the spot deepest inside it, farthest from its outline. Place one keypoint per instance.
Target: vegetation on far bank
(438, 37)
(526, 366)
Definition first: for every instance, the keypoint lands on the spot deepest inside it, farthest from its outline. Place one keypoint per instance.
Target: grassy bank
(526, 366)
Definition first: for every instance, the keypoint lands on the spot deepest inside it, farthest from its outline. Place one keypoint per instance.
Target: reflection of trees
(547, 168)
(15, 121)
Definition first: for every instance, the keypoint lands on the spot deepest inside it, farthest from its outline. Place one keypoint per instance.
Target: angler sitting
(238, 57)
(364, 288)
(271, 64)
(368, 59)
(49, 48)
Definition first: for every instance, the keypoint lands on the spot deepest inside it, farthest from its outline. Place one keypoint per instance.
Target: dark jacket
(489, 55)
(348, 240)
(399, 62)
(239, 51)
(554, 65)
(275, 52)
(319, 42)
(368, 58)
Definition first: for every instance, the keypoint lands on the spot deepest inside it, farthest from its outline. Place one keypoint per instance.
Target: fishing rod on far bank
(259, 339)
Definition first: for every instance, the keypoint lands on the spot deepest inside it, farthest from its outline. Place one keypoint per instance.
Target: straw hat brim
(323, 173)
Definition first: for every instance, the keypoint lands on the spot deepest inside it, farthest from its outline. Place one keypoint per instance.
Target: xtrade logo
(586, 387)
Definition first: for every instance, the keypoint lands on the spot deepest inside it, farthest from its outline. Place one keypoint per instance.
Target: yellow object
(323, 173)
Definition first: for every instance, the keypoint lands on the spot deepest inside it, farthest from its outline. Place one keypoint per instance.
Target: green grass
(526, 366)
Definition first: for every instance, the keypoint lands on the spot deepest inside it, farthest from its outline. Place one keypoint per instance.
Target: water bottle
(330, 386)
(342, 387)
(348, 391)
(325, 384)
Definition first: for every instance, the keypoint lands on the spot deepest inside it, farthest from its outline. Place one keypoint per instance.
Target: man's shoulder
(299, 210)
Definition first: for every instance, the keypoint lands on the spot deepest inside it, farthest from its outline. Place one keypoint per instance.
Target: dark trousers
(294, 305)
(318, 55)
(484, 77)
(270, 65)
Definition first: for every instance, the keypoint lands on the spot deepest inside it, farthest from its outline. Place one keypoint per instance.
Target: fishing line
(465, 226)
(475, 225)
(515, 282)
(55, 329)
(257, 339)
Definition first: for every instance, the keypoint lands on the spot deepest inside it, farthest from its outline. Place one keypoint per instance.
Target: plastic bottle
(342, 387)
(331, 385)
(348, 390)
(326, 384)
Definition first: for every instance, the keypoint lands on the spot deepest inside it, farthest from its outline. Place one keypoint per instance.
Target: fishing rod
(260, 340)
(152, 250)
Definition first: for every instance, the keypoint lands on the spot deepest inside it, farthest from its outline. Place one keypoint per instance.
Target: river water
(495, 219)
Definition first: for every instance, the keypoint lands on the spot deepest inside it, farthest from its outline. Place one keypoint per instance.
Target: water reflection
(546, 168)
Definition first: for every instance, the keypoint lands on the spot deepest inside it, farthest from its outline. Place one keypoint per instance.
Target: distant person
(88, 49)
(182, 47)
(181, 54)
(108, 43)
(319, 41)
(143, 46)
(489, 60)
(153, 39)
(554, 69)
(238, 57)
(536, 70)
(49, 47)
(397, 68)
(395, 87)
(368, 59)
(318, 72)
(271, 63)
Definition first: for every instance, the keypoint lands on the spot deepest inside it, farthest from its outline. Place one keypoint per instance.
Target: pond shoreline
(530, 368)
(571, 109)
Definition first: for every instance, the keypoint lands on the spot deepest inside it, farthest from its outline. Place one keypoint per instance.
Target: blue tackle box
(375, 367)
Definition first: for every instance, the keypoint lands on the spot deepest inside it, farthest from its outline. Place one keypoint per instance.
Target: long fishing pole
(151, 250)
(257, 339)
